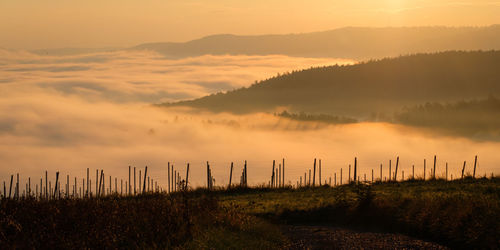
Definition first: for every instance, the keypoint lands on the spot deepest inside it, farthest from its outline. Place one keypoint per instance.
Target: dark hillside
(361, 90)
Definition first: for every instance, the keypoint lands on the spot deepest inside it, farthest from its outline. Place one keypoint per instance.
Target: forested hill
(374, 87)
(350, 42)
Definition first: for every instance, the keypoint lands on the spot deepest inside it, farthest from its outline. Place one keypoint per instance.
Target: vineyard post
(463, 169)
(355, 169)
(434, 169)
(475, 163)
(17, 186)
(372, 175)
(187, 176)
(10, 189)
(144, 184)
(128, 185)
(283, 171)
(272, 175)
(413, 171)
(279, 175)
(87, 183)
(334, 179)
(231, 174)
(314, 173)
(208, 176)
(46, 185)
(168, 177)
(396, 171)
(101, 180)
(97, 183)
(67, 186)
(172, 176)
(56, 184)
(246, 174)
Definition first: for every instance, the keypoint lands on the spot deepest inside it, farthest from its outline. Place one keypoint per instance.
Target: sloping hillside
(369, 88)
(350, 42)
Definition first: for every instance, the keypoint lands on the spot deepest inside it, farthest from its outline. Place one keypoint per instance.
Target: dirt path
(324, 237)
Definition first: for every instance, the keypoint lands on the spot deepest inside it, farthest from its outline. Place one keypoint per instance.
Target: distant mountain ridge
(367, 89)
(351, 42)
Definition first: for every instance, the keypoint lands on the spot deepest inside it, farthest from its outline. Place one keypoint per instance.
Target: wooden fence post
(187, 176)
(144, 184)
(475, 163)
(355, 169)
(10, 189)
(396, 171)
(97, 183)
(231, 175)
(283, 171)
(272, 175)
(87, 193)
(46, 185)
(463, 169)
(168, 177)
(208, 176)
(56, 185)
(172, 177)
(314, 174)
(434, 169)
(279, 175)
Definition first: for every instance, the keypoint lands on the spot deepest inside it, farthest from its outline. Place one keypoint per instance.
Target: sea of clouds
(69, 113)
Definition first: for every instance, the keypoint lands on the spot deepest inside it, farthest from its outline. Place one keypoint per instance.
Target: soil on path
(325, 237)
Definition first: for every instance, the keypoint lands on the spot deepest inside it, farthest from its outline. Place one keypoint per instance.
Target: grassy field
(457, 213)
(460, 214)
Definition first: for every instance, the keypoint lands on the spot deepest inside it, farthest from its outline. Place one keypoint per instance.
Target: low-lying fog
(93, 111)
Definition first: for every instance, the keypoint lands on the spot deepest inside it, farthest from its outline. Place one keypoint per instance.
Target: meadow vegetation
(460, 213)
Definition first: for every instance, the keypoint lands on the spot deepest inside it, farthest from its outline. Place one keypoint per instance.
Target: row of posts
(175, 182)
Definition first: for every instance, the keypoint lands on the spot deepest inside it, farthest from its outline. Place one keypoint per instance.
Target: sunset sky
(34, 24)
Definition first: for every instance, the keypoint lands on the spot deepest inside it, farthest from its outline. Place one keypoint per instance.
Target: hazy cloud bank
(69, 113)
(141, 76)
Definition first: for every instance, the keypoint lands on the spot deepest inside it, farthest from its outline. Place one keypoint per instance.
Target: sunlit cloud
(142, 76)
(67, 113)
